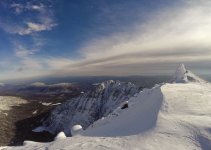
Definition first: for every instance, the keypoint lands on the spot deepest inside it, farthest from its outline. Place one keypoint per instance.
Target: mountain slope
(90, 106)
(183, 120)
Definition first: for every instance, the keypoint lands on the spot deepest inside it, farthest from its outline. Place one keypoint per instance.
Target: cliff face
(90, 106)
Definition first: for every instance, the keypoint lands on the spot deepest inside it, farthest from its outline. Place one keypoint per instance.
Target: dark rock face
(90, 106)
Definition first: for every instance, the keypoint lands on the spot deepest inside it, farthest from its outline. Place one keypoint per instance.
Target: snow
(56, 104)
(35, 112)
(41, 84)
(60, 136)
(144, 111)
(169, 116)
(76, 130)
(61, 85)
(180, 75)
(46, 104)
(49, 104)
(6, 102)
(89, 107)
(38, 84)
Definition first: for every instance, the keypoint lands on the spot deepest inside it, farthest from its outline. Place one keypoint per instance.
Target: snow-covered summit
(182, 75)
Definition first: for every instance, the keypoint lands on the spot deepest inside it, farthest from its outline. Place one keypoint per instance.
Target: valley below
(18, 121)
(22, 108)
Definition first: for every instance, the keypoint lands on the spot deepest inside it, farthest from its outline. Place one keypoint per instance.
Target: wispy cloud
(36, 27)
(171, 36)
(22, 52)
(29, 6)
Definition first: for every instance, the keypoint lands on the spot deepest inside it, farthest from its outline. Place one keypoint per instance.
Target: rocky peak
(89, 106)
(182, 75)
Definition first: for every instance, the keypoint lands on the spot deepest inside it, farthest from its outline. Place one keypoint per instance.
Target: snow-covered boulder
(60, 136)
(76, 130)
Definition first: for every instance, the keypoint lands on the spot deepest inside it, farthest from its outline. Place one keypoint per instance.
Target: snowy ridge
(142, 108)
(90, 106)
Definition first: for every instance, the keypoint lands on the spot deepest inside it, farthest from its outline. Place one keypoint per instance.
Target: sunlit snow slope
(173, 116)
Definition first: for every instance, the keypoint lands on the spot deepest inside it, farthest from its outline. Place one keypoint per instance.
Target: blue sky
(103, 37)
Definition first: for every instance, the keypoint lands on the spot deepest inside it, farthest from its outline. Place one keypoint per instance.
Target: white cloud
(36, 27)
(42, 19)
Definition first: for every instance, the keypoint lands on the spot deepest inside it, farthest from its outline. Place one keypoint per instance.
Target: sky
(103, 37)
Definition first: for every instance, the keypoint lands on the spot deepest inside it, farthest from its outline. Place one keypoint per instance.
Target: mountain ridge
(90, 106)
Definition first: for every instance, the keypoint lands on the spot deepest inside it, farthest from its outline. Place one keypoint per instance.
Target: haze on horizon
(85, 38)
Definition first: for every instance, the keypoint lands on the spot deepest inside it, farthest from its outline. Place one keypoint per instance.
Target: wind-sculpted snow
(139, 118)
(90, 106)
(182, 75)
